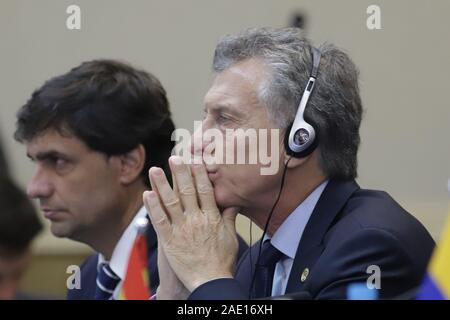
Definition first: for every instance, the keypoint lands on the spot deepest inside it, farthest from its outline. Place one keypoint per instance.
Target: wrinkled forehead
(238, 85)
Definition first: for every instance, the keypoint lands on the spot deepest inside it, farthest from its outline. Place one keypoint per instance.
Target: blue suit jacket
(349, 230)
(89, 269)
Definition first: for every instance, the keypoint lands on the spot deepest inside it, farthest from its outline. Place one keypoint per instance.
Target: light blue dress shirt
(287, 238)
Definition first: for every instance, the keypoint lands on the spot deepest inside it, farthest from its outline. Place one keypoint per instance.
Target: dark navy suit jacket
(349, 230)
(89, 269)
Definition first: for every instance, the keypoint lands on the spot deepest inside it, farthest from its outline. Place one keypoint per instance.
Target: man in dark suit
(93, 133)
(322, 232)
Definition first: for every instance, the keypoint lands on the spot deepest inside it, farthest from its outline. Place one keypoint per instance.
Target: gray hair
(334, 108)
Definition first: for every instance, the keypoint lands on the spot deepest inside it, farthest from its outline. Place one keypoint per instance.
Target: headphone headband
(301, 139)
(316, 55)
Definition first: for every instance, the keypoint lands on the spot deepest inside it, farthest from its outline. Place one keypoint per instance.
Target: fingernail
(151, 194)
(176, 160)
(157, 171)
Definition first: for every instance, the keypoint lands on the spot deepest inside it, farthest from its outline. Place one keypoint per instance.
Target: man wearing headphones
(322, 232)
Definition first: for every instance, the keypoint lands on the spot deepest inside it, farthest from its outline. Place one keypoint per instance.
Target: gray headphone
(300, 139)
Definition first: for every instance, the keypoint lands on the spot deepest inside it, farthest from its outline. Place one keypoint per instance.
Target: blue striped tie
(107, 281)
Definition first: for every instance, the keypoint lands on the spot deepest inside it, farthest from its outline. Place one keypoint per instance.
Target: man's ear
(131, 164)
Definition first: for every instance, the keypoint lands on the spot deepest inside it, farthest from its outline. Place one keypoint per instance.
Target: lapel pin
(305, 274)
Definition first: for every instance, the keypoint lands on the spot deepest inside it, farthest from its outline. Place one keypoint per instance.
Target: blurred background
(405, 77)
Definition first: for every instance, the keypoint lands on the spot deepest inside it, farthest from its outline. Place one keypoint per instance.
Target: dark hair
(19, 223)
(334, 108)
(109, 105)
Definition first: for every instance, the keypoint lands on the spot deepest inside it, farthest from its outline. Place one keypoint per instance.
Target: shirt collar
(119, 258)
(287, 237)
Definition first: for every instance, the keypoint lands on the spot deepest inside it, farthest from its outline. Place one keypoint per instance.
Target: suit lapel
(330, 203)
(91, 277)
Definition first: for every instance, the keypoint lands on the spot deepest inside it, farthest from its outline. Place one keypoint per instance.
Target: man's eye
(223, 119)
(59, 162)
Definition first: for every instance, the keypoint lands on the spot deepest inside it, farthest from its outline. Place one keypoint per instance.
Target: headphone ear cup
(303, 153)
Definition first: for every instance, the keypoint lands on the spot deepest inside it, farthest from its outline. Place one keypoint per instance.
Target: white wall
(404, 68)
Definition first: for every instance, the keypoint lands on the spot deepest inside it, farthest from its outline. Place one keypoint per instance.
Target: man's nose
(39, 186)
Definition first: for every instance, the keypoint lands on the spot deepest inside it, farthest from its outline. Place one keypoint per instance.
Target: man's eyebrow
(222, 108)
(46, 155)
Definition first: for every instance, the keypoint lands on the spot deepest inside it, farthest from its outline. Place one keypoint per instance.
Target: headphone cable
(265, 229)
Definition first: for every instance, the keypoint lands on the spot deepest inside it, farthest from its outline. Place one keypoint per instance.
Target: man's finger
(175, 186)
(205, 189)
(159, 219)
(167, 196)
(185, 184)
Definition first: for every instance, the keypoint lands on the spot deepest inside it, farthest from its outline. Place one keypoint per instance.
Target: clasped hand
(196, 242)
